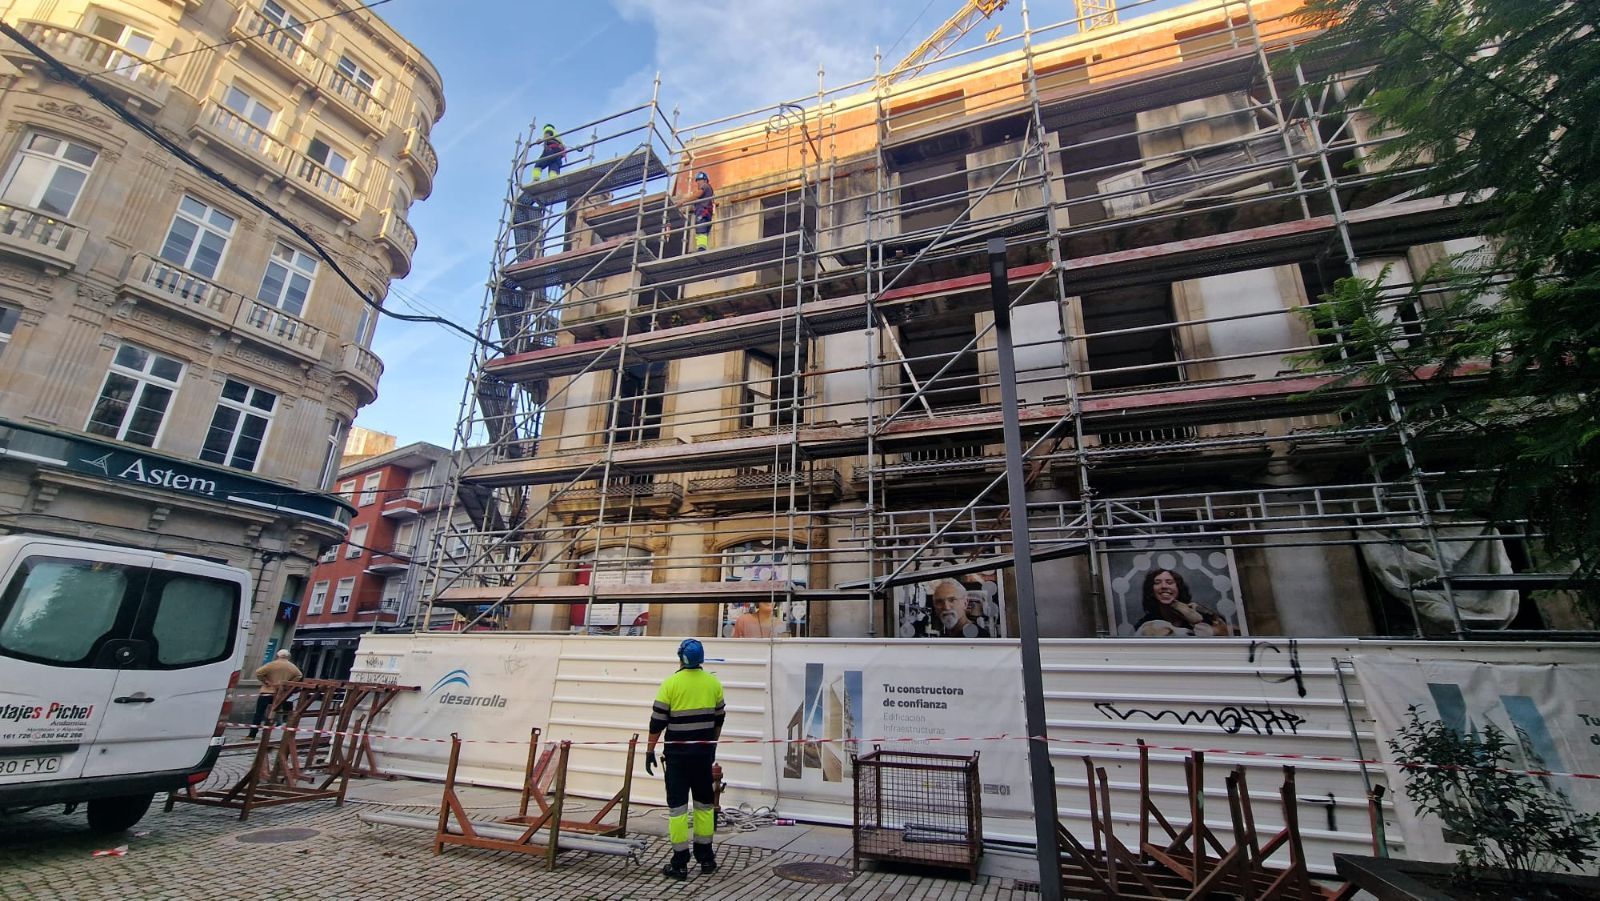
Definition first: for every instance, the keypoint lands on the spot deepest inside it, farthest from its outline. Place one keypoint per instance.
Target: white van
(116, 667)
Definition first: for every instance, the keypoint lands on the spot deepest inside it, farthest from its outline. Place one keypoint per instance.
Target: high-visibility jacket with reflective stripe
(689, 708)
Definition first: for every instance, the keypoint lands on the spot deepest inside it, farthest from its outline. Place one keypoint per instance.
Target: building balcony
(754, 485)
(399, 239)
(140, 80)
(278, 330)
(409, 505)
(354, 98)
(363, 367)
(40, 238)
(277, 46)
(318, 183)
(395, 560)
(424, 162)
(643, 494)
(181, 290)
(241, 139)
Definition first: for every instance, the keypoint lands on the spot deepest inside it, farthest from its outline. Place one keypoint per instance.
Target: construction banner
(488, 689)
(1550, 714)
(831, 699)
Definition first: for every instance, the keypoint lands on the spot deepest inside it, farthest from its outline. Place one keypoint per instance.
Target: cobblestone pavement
(199, 852)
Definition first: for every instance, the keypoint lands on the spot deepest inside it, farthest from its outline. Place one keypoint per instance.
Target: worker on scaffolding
(554, 153)
(701, 205)
(689, 709)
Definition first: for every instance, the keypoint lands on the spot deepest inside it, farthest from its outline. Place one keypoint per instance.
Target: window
(933, 194)
(330, 554)
(390, 600)
(287, 282)
(364, 327)
(330, 459)
(48, 174)
(639, 402)
(283, 30)
(197, 238)
(1140, 349)
(256, 116)
(134, 399)
(8, 325)
(319, 597)
(60, 611)
(353, 83)
(358, 543)
(140, 46)
(347, 490)
(323, 154)
(341, 594)
(405, 538)
(369, 488)
(194, 621)
(239, 427)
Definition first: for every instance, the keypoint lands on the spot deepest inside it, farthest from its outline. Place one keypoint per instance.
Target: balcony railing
(363, 365)
(281, 45)
(251, 142)
(401, 238)
(274, 327)
(128, 71)
(424, 161)
(183, 289)
(39, 237)
(322, 183)
(354, 95)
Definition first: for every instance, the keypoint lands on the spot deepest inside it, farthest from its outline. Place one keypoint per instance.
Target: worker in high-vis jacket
(689, 710)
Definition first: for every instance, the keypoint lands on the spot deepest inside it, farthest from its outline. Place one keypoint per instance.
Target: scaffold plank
(600, 260)
(607, 175)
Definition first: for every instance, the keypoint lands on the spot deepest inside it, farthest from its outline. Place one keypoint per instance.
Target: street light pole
(1041, 774)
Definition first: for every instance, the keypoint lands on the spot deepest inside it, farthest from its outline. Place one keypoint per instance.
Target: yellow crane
(1091, 14)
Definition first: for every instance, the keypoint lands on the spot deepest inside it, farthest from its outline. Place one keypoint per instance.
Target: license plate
(30, 766)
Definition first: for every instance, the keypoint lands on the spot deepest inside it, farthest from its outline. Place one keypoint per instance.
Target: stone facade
(150, 312)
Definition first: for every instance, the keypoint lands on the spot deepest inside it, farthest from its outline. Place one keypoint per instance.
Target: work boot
(672, 872)
(707, 858)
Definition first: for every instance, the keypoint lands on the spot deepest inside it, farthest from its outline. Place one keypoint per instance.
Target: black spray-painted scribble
(1295, 675)
(1231, 719)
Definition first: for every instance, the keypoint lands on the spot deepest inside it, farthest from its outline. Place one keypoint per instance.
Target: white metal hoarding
(1243, 698)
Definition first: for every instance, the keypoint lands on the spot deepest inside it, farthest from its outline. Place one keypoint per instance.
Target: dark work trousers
(263, 701)
(690, 774)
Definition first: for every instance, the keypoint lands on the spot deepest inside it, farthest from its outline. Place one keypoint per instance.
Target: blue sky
(506, 62)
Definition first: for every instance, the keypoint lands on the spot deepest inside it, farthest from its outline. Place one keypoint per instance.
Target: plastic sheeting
(1398, 564)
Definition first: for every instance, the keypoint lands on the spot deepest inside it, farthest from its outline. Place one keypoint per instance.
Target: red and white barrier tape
(1270, 755)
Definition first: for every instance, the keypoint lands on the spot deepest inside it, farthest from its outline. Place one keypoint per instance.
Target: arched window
(609, 567)
(765, 561)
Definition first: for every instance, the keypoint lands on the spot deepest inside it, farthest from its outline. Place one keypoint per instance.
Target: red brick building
(371, 580)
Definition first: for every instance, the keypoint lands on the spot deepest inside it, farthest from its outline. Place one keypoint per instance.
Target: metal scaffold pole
(1040, 772)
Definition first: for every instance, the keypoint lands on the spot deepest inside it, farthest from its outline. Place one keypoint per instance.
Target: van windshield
(57, 611)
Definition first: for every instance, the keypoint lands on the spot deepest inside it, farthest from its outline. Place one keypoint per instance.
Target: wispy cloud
(542, 75)
(719, 57)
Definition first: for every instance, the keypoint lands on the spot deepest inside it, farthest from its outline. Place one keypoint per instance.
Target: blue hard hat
(701, 176)
(690, 653)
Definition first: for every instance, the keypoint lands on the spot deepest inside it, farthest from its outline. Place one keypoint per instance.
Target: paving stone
(194, 853)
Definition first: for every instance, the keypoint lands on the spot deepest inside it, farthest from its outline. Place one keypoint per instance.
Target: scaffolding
(807, 413)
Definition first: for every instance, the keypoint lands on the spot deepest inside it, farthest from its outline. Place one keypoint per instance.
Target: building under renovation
(796, 431)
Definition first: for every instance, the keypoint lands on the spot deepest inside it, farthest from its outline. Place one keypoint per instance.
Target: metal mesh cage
(919, 808)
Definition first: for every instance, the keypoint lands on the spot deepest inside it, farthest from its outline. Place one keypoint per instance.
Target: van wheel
(107, 815)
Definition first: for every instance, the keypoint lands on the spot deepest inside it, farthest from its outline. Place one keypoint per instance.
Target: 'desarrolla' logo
(460, 677)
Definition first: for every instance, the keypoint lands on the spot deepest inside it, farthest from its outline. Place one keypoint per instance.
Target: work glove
(650, 762)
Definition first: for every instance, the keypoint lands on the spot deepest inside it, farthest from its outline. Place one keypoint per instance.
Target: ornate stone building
(177, 369)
